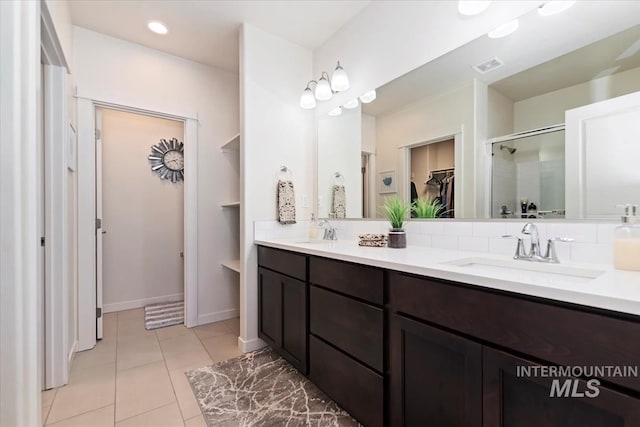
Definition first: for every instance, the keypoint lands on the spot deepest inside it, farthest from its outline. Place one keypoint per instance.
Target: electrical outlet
(305, 201)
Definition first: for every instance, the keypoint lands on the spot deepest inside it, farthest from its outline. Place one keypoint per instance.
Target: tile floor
(135, 377)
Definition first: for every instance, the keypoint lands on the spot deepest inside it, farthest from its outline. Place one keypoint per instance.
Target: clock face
(173, 160)
(167, 159)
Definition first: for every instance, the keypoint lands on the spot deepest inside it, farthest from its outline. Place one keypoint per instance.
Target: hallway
(135, 377)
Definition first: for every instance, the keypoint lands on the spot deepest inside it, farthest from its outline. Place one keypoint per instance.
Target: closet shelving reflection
(232, 149)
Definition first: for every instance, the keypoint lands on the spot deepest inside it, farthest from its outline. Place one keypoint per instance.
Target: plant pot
(397, 238)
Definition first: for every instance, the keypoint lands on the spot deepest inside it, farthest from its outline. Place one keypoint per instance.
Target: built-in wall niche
(583, 56)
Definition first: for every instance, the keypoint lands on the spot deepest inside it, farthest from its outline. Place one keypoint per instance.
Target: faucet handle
(519, 249)
(551, 255)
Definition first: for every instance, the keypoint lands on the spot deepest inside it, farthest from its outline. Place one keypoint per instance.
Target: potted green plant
(425, 208)
(396, 210)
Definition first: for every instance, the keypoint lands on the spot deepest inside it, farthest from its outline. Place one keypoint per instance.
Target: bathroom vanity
(401, 338)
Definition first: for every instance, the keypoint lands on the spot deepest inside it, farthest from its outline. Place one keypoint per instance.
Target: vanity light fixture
(472, 7)
(555, 6)
(335, 112)
(158, 27)
(324, 90)
(351, 104)
(368, 97)
(505, 29)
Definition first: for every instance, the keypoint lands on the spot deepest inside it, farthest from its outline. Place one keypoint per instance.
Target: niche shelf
(232, 145)
(233, 265)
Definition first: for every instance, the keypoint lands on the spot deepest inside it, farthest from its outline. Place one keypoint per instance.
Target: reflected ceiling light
(339, 79)
(368, 96)
(351, 104)
(322, 89)
(307, 100)
(472, 7)
(158, 27)
(335, 112)
(555, 6)
(505, 29)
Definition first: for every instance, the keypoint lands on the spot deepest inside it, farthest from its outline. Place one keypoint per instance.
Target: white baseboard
(217, 316)
(246, 346)
(128, 305)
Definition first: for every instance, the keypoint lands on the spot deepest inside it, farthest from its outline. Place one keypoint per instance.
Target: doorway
(432, 174)
(140, 241)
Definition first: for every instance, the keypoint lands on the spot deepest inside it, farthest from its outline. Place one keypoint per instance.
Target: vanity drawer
(356, 388)
(289, 263)
(353, 326)
(545, 330)
(351, 279)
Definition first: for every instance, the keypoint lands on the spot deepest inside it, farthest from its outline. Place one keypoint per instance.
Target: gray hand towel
(339, 201)
(286, 203)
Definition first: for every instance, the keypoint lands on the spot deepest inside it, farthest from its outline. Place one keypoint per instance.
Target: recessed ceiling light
(472, 7)
(556, 6)
(158, 27)
(335, 112)
(368, 97)
(505, 29)
(351, 104)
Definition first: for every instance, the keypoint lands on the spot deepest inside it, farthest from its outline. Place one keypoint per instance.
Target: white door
(100, 231)
(40, 209)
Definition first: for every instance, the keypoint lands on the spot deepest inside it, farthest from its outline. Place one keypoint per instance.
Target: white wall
(549, 108)
(142, 214)
(390, 38)
(119, 72)
(275, 131)
(429, 119)
(340, 150)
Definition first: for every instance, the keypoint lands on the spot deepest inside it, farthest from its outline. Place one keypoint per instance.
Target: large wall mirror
(521, 126)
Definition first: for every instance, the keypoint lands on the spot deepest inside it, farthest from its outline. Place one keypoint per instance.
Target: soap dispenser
(626, 243)
(314, 228)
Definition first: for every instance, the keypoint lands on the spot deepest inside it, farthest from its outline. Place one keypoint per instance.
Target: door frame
(59, 347)
(87, 297)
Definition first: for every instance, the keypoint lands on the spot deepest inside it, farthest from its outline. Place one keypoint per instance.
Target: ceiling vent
(489, 65)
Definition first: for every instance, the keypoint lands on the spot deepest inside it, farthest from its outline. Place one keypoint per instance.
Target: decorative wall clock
(167, 159)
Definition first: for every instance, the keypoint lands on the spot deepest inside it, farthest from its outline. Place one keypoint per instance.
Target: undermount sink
(538, 269)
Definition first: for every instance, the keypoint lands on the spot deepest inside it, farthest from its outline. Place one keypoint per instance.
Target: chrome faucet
(534, 253)
(329, 230)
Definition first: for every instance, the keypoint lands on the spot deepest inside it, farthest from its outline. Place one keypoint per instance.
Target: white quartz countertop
(615, 290)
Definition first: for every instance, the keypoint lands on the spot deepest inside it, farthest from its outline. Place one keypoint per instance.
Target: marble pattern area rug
(262, 389)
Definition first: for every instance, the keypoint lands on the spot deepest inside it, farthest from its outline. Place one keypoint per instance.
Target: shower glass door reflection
(528, 177)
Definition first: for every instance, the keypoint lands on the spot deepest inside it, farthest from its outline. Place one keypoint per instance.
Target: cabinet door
(436, 377)
(294, 322)
(514, 397)
(270, 307)
(282, 316)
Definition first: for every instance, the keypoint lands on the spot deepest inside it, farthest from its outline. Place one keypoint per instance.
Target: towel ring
(338, 179)
(285, 173)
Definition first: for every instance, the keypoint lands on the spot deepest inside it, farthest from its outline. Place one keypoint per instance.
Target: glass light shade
(339, 79)
(351, 104)
(307, 100)
(335, 112)
(505, 29)
(553, 7)
(323, 90)
(157, 27)
(472, 7)
(368, 97)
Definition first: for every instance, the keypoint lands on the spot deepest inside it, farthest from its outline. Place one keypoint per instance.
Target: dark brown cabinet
(282, 309)
(512, 399)
(396, 349)
(436, 377)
